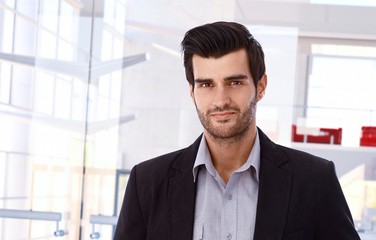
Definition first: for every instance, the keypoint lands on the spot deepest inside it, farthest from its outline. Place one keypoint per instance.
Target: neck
(230, 154)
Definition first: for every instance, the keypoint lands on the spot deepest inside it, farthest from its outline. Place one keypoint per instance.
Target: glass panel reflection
(59, 120)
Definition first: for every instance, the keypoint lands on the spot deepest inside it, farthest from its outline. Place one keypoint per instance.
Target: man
(232, 182)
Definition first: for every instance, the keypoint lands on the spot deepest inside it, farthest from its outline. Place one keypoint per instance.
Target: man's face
(225, 95)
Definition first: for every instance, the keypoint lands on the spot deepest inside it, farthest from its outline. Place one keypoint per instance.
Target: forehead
(235, 62)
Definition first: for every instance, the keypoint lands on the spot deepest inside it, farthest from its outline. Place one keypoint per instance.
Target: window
(341, 89)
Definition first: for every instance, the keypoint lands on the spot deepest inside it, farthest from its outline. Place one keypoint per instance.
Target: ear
(261, 87)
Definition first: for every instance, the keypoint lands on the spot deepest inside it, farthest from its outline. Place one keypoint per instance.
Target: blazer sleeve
(335, 220)
(131, 225)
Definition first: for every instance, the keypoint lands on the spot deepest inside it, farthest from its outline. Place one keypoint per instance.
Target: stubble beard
(227, 135)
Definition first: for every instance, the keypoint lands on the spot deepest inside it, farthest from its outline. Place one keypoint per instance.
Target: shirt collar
(203, 158)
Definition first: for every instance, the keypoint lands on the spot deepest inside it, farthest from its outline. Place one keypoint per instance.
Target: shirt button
(229, 197)
(228, 236)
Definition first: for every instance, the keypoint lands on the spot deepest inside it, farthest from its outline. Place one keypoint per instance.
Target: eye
(205, 85)
(235, 83)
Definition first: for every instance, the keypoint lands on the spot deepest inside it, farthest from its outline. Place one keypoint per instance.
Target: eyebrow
(236, 77)
(229, 78)
(203, 80)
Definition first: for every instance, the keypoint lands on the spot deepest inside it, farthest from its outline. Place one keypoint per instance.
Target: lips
(222, 115)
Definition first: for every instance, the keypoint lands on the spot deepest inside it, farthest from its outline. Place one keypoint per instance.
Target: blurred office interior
(90, 88)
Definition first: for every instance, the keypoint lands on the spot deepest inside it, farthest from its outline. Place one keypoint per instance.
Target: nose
(221, 97)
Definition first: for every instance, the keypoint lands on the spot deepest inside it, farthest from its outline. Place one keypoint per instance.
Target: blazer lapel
(182, 195)
(274, 192)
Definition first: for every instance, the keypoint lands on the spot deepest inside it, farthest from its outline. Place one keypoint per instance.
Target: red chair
(368, 137)
(326, 135)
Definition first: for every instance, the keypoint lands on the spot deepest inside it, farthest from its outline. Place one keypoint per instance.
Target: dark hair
(220, 38)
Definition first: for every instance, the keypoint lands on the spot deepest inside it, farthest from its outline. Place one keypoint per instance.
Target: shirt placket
(229, 209)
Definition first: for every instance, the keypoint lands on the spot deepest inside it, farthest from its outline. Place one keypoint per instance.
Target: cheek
(201, 100)
(200, 106)
(245, 99)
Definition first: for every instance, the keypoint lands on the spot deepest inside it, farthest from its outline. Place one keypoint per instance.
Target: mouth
(223, 115)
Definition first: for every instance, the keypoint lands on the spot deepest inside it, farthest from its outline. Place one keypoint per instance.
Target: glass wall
(61, 72)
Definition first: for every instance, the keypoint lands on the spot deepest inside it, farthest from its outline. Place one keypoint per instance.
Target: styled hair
(217, 39)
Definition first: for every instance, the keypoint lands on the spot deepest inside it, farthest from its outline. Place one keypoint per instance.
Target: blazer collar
(274, 192)
(182, 194)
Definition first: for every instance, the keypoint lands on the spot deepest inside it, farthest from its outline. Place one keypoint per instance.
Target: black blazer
(299, 198)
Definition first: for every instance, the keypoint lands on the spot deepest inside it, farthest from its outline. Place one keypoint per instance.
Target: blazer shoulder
(288, 158)
(298, 155)
(160, 163)
(305, 164)
(166, 164)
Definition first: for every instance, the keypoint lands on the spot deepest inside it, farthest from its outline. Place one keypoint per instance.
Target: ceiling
(174, 17)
